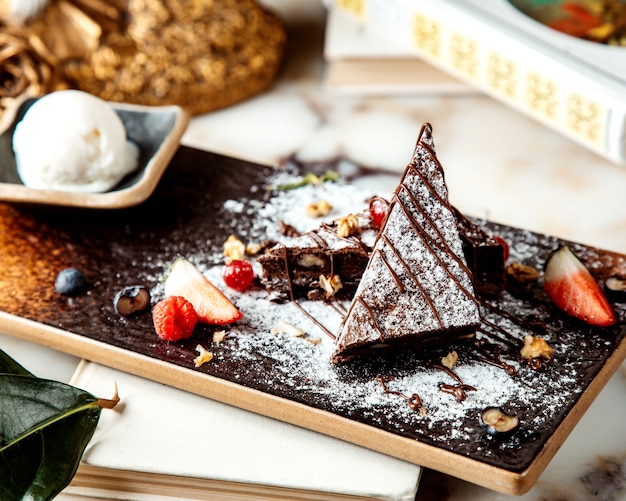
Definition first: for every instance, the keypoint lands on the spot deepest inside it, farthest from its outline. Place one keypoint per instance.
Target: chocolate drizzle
(299, 306)
(491, 353)
(440, 241)
(457, 390)
(430, 242)
(372, 318)
(395, 276)
(414, 401)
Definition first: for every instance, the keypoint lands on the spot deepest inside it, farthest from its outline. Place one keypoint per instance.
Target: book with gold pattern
(512, 51)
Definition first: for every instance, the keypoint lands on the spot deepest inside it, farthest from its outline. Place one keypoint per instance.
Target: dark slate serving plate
(288, 378)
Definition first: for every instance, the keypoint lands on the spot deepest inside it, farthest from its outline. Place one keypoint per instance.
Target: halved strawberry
(211, 305)
(572, 288)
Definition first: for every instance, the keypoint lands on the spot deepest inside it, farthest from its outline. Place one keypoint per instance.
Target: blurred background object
(199, 55)
(601, 21)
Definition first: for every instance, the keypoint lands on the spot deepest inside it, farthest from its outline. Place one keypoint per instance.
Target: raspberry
(174, 318)
(238, 274)
(378, 211)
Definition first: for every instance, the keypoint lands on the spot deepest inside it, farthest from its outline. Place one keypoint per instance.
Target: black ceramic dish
(155, 130)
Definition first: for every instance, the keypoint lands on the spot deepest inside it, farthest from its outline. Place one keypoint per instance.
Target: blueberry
(131, 299)
(70, 282)
(496, 422)
(615, 288)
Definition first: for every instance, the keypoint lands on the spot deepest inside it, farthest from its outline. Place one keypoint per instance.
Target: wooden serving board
(288, 378)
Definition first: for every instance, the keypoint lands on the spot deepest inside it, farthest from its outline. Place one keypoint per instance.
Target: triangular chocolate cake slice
(416, 287)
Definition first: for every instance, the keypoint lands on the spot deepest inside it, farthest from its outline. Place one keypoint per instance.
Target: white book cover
(165, 443)
(344, 39)
(572, 85)
(361, 61)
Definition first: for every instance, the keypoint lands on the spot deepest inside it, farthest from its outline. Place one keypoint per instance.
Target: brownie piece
(417, 286)
(484, 255)
(292, 270)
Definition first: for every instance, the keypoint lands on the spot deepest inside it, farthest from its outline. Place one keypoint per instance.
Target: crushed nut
(218, 336)
(331, 285)
(234, 248)
(318, 209)
(252, 249)
(347, 226)
(310, 261)
(522, 274)
(536, 347)
(204, 356)
(293, 331)
(450, 359)
(288, 329)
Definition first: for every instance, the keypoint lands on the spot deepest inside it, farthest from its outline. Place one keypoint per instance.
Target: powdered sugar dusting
(299, 368)
(289, 206)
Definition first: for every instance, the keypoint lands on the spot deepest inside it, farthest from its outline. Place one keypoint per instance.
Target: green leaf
(10, 366)
(44, 429)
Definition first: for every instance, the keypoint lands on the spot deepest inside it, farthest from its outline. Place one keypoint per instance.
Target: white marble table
(498, 163)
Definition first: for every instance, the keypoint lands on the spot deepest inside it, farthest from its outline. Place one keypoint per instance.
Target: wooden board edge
(554, 443)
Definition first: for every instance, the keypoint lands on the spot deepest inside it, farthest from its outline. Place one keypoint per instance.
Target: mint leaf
(310, 178)
(44, 429)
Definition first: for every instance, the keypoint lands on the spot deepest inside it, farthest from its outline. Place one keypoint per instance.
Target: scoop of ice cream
(72, 141)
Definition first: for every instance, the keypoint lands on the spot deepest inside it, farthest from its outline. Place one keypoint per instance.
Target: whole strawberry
(174, 318)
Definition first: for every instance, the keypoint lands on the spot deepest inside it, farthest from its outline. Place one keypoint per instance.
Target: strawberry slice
(211, 305)
(572, 288)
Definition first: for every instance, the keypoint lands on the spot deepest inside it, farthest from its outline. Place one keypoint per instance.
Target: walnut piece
(331, 284)
(218, 336)
(450, 359)
(536, 347)
(310, 261)
(347, 226)
(234, 248)
(204, 356)
(288, 329)
(318, 209)
(252, 249)
(522, 274)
